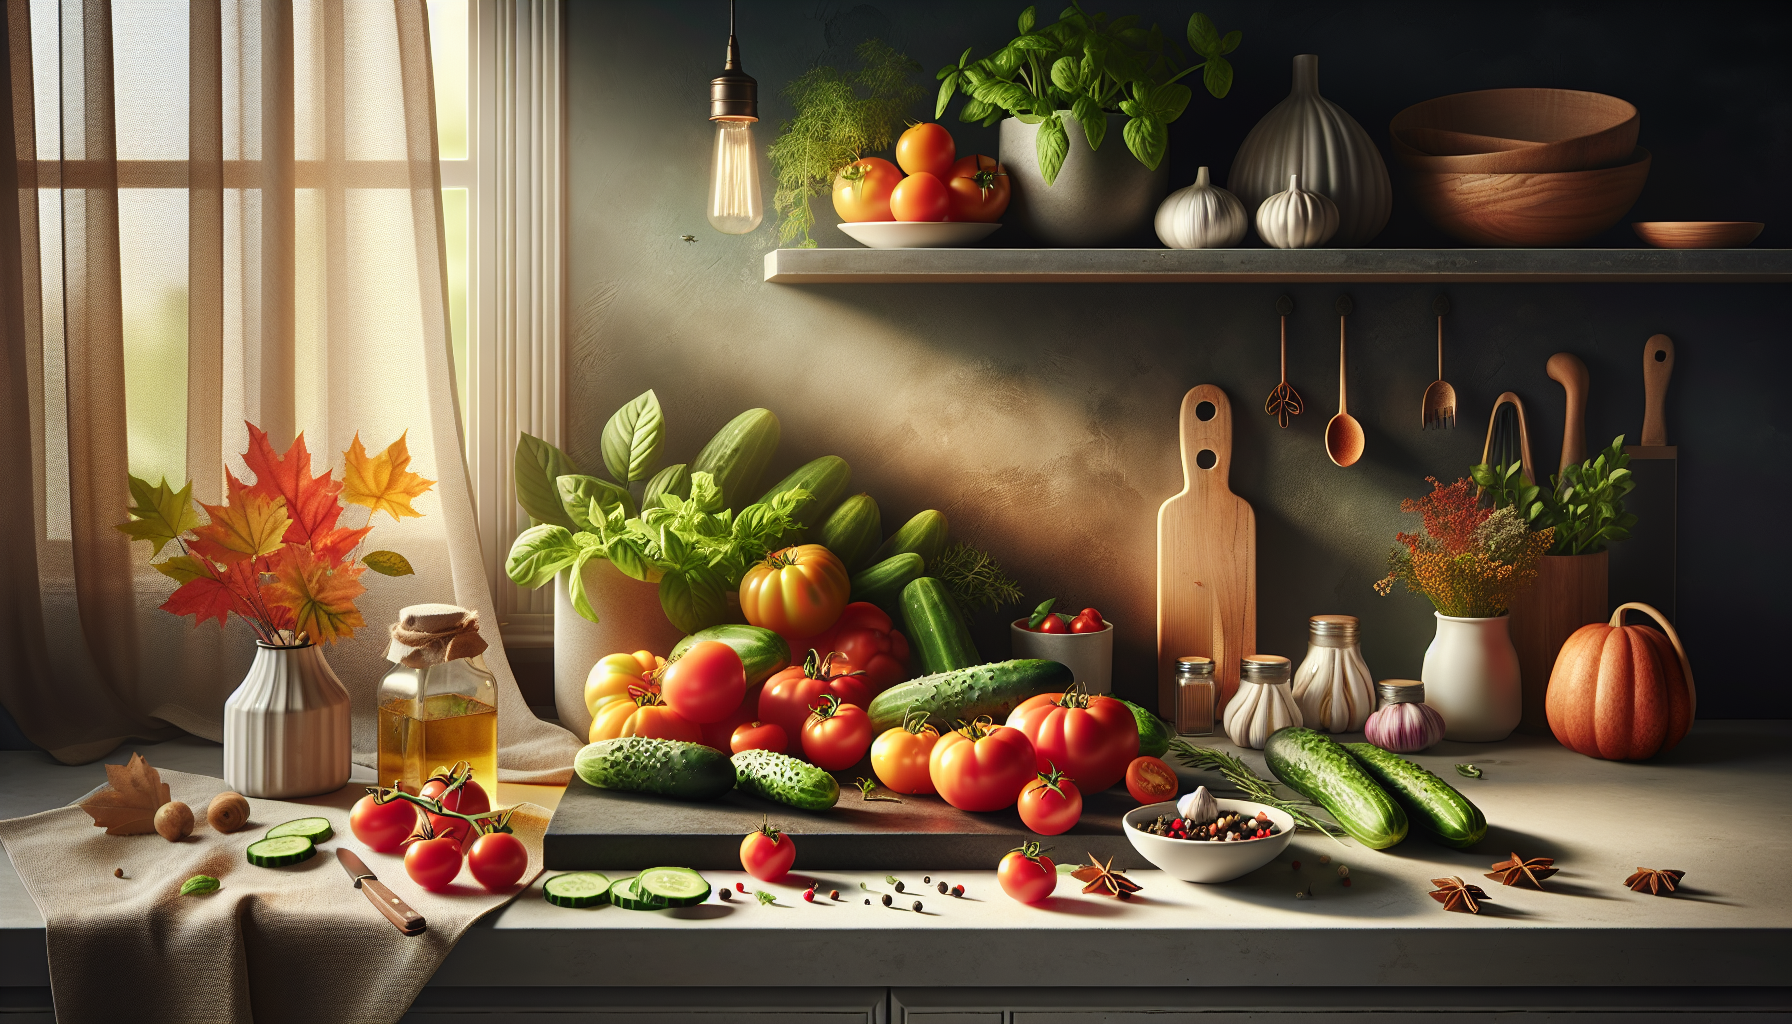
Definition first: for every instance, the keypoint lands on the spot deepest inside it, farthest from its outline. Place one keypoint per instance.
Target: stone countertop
(1715, 808)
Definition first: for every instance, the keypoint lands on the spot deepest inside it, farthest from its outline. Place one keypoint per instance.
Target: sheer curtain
(226, 212)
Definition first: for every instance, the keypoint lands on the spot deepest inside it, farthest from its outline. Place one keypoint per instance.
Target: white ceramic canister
(1263, 703)
(1333, 686)
(286, 728)
(1089, 656)
(1471, 678)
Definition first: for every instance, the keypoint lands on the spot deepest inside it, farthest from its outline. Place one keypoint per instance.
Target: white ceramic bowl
(1208, 862)
(918, 234)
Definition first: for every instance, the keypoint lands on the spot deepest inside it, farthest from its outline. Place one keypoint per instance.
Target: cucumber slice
(672, 887)
(315, 829)
(280, 851)
(624, 895)
(577, 889)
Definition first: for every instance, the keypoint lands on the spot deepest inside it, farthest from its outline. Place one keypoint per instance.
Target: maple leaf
(320, 596)
(334, 545)
(311, 501)
(249, 526)
(127, 806)
(208, 591)
(160, 514)
(382, 482)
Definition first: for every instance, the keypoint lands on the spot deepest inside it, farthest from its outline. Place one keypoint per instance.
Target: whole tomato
(1150, 781)
(647, 715)
(793, 693)
(981, 767)
(432, 863)
(497, 860)
(1027, 875)
(1052, 623)
(865, 639)
(767, 854)
(1050, 804)
(899, 757)
(613, 674)
(467, 798)
(383, 827)
(720, 735)
(926, 148)
(862, 190)
(836, 735)
(1091, 737)
(796, 592)
(921, 197)
(759, 736)
(706, 683)
(979, 189)
(1088, 621)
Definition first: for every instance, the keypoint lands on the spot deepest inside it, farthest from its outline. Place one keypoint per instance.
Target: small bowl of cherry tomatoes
(1208, 862)
(1083, 642)
(930, 198)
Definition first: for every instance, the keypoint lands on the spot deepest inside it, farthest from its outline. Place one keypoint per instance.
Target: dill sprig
(1248, 782)
(974, 577)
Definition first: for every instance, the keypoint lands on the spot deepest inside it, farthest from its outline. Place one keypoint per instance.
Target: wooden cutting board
(1206, 555)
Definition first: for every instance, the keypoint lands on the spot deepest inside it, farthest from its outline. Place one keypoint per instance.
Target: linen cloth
(297, 944)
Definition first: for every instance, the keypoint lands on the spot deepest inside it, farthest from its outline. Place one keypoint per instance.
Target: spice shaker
(1263, 703)
(1194, 696)
(437, 703)
(1333, 686)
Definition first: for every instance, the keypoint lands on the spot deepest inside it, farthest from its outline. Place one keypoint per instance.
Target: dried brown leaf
(128, 804)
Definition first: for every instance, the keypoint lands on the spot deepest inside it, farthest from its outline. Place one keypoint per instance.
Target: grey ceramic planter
(1101, 197)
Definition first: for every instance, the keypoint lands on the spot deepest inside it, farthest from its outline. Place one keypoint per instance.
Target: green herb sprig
(1584, 503)
(974, 578)
(1248, 782)
(199, 885)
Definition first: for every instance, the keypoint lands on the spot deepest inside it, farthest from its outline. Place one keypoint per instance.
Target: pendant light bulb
(735, 205)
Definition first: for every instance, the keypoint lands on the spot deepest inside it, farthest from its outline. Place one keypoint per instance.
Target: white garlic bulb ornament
(1263, 703)
(1297, 219)
(1202, 216)
(1198, 806)
(1333, 686)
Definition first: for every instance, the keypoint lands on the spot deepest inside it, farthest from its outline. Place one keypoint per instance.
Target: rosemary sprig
(1248, 782)
(974, 577)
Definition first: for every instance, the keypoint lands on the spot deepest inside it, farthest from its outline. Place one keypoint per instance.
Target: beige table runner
(296, 944)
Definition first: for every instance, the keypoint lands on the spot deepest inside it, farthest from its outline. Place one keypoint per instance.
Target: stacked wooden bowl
(1522, 167)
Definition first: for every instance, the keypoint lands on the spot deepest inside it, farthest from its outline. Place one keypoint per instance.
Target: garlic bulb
(1297, 219)
(1202, 216)
(1404, 724)
(1198, 806)
(1263, 703)
(1333, 686)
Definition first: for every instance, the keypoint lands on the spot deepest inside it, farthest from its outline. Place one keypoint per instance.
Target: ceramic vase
(1201, 216)
(1570, 591)
(1089, 656)
(629, 618)
(286, 728)
(1101, 196)
(1471, 677)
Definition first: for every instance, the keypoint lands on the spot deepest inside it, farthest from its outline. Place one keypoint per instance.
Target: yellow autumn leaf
(321, 598)
(248, 526)
(160, 514)
(382, 481)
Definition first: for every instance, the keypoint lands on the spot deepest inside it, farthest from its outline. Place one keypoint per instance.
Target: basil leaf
(1148, 138)
(575, 584)
(947, 88)
(1053, 147)
(626, 554)
(631, 440)
(1203, 37)
(1039, 613)
(1169, 101)
(537, 465)
(1217, 76)
(705, 494)
(674, 480)
(1027, 18)
(577, 491)
(689, 602)
(538, 553)
(1064, 74)
(1090, 116)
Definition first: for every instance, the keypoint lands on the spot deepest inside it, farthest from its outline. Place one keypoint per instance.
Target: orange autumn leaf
(128, 804)
(383, 481)
(248, 526)
(311, 501)
(320, 596)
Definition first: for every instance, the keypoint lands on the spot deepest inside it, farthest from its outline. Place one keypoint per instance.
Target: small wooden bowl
(1526, 210)
(1697, 234)
(1525, 131)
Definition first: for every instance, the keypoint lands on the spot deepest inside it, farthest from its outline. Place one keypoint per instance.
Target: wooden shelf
(1248, 266)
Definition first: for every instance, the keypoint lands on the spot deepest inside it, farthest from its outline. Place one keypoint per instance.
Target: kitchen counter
(1715, 808)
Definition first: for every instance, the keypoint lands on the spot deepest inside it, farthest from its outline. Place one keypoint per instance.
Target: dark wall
(1042, 418)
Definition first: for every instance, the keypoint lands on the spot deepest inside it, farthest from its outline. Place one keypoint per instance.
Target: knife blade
(396, 910)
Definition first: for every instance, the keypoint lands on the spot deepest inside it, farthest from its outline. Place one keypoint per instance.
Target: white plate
(917, 234)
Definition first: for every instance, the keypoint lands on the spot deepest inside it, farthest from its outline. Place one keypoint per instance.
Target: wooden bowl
(1526, 210)
(1523, 131)
(1697, 234)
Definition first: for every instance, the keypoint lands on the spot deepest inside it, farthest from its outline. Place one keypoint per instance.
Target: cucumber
(738, 454)
(1155, 734)
(624, 894)
(882, 583)
(825, 479)
(994, 690)
(1315, 766)
(315, 829)
(672, 887)
(674, 768)
(577, 889)
(938, 637)
(851, 531)
(280, 851)
(671, 480)
(924, 535)
(762, 652)
(1435, 806)
(786, 780)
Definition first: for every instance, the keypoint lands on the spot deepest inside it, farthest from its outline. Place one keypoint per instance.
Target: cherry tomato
(836, 735)
(497, 860)
(899, 757)
(1050, 804)
(720, 735)
(979, 188)
(1092, 737)
(706, 683)
(1150, 781)
(926, 148)
(1088, 621)
(796, 592)
(767, 854)
(470, 798)
(920, 197)
(1051, 624)
(432, 863)
(979, 768)
(383, 827)
(862, 190)
(759, 736)
(792, 694)
(1027, 875)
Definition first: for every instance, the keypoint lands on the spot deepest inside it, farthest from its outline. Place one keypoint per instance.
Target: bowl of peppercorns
(1242, 837)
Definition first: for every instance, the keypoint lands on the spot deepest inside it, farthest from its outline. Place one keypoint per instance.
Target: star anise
(1517, 869)
(1104, 878)
(1457, 895)
(1654, 880)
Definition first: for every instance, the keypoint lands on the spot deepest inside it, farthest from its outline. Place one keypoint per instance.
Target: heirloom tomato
(706, 684)
(926, 148)
(766, 853)
(793, 693)
(979, 189)
(866, 640)
(796, 592)
(1091, 737)
(1050, 804)
(720, 735)
(647, 715)
(899, 758)
(1027, 874)
(382, 826)
(836, 735)
(613, 674)
(759, 736)
(980, 767)
(862, 190)
(432, 863)
(1150, 781)
(921, 197)
(497, 860)
(467, 798)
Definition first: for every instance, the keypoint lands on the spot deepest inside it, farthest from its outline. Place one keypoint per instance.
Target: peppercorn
(119, 873)
(898, 886)
(944, 889)
(917, 906)
(834, 894)
(926, 879)
(887, 899)
(958, 890)
(867, 903)
(726, 894)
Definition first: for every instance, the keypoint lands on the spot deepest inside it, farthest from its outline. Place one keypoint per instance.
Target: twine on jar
(448, 644)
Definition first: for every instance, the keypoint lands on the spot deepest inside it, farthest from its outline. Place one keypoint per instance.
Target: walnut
(174, 821)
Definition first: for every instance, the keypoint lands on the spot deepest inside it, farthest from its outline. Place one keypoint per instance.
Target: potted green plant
(1057, 89)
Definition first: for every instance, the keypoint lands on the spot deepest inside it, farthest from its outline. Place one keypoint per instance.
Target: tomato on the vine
(921, 197)
(862, 190)
(468, 798)
(899, 757)
(1027, 874)
(796, 592)
(767, 854)
(759, 736)
(433, 863)
(981, 767)
(979, 189)
(1150, 781)
(497, 860)
(836, 734)
(1050, 804)
(382, 826)
(926, 148)
(1093, 737)
(706, 683)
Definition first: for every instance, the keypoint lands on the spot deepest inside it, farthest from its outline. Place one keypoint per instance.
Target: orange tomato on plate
(862, 190)
(921, 197)
(978, 188)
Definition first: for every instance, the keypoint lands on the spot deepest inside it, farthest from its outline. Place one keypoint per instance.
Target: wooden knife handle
(1566, 369)
(396, 910)
(1658, 366)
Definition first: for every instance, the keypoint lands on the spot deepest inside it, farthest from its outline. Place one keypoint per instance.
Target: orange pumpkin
(1621, 693)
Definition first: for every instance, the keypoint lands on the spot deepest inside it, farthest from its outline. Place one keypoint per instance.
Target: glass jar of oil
(437, 704)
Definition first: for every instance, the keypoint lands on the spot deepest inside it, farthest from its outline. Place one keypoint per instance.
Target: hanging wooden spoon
(1343, 434)
(1284, 401)
(1440, 398)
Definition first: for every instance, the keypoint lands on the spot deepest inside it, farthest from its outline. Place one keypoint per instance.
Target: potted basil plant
(1058, 89)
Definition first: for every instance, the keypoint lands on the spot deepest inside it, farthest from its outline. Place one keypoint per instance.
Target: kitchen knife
(402, 916)
(1643, 567)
